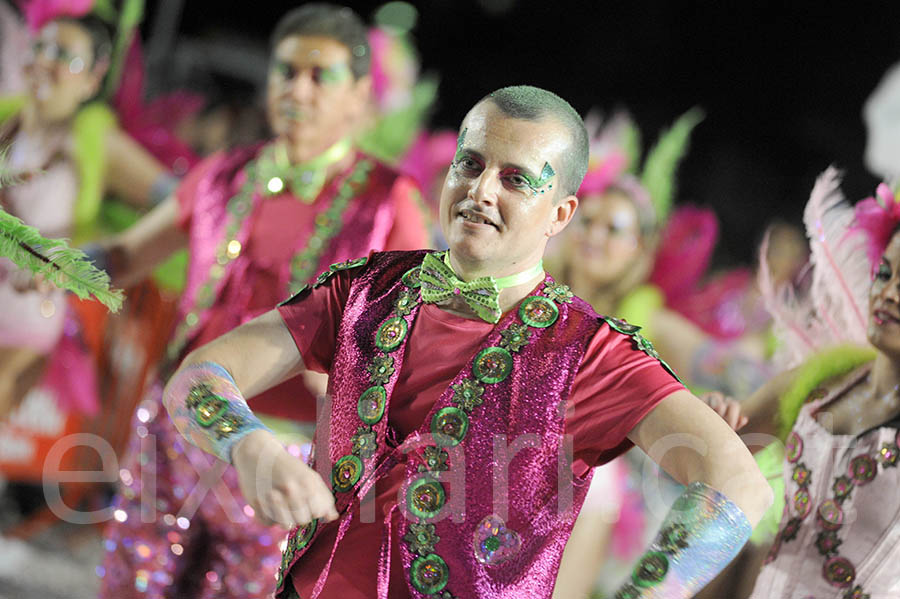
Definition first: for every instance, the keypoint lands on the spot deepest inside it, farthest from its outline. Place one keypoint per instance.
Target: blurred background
(782, 85)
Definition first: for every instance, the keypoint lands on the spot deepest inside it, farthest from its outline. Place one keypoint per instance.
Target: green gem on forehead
(459, 145)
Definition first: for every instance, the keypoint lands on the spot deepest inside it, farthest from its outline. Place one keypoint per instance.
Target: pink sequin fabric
(513, 434)
(839, 537)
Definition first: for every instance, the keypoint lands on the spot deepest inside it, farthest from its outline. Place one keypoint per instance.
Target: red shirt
(615, 387)
(279, 224)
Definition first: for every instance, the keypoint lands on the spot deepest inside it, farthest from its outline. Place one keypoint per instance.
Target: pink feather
(152, 124)
(841, 269)
(793, 317)
(38, 13)
(684, 252)
(832, 310)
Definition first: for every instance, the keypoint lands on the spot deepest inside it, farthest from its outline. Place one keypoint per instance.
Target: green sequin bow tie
(482, 295)
(305, 179)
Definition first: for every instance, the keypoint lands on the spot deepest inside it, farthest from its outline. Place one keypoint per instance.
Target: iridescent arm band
(701, 534)
(208, 409)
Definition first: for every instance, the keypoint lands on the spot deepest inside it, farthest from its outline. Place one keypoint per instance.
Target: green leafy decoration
(7, 177)
(658, 176)
(67, 268)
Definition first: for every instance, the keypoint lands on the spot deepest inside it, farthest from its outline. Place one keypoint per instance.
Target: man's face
(60, 70)
(313, 100)
(497, 204)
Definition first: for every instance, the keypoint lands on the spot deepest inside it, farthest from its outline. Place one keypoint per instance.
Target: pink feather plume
(833, 308)
(38, 13)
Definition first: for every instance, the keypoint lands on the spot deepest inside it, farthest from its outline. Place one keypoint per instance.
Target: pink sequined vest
(490, 498)
(217, 219)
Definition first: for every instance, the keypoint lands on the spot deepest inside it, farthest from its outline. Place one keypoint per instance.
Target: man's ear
(563, 211)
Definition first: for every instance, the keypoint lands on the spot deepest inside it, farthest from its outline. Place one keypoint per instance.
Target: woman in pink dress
(839, 410)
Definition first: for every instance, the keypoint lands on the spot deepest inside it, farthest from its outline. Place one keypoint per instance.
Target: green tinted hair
(329, 20)
(530, 103)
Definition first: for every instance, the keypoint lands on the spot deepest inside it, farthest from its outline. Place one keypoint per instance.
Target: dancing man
(469, 397)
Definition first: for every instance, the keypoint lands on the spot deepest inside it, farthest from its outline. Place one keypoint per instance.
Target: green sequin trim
(210, 409)
(227, 425)
(539, 312)
(558, 292)
(370, 406)
(348, 264)
(467, 394)
(304, 536)
(640, 343)
(346, 472)
(425, 498)
(434, 459)
(405, 302)
(421, 538)
(411, 278)
(364, 443)
(650, 570)
(449, 426)
(381, 369)
(391, 334)
(492, 365)
(429, 574)
(515, 337)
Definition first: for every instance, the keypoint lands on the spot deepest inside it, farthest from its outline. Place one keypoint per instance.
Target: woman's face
(60, 70)
(884, 301)
(604, 240)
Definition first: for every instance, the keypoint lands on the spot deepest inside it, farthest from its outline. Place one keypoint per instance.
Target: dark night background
(782, 86)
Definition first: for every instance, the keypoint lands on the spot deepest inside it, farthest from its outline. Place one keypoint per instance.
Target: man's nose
(302, 86)
(485, 188)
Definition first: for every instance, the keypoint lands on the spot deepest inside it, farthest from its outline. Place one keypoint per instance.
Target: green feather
(658, 176)
(67, 268)
(818, 369)
(129, 17)
(7, 177)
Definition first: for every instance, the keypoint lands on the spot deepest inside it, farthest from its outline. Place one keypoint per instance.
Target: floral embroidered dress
(839, 536)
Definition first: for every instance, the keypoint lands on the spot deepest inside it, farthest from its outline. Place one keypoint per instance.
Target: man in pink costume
(259, 224)
(469, 397)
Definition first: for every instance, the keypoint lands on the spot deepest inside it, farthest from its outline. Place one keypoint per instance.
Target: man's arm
(132, 255)
(694, 444)
(206, 401)
(726, 496)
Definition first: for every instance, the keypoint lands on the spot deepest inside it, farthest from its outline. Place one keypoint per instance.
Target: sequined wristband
(208, 409)
(701, 534)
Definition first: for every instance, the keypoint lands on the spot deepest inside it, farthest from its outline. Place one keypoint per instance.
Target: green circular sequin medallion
(411, 278)
(429, 574)
(346, 472)
(304, 535)
(449, 426)
(492, 365)
(391, 334)
(425, 497)
(370, 406)
(651, 569)
(539, 312)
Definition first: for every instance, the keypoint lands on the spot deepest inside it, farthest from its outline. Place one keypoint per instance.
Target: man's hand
(729, 409)
(280, 488)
